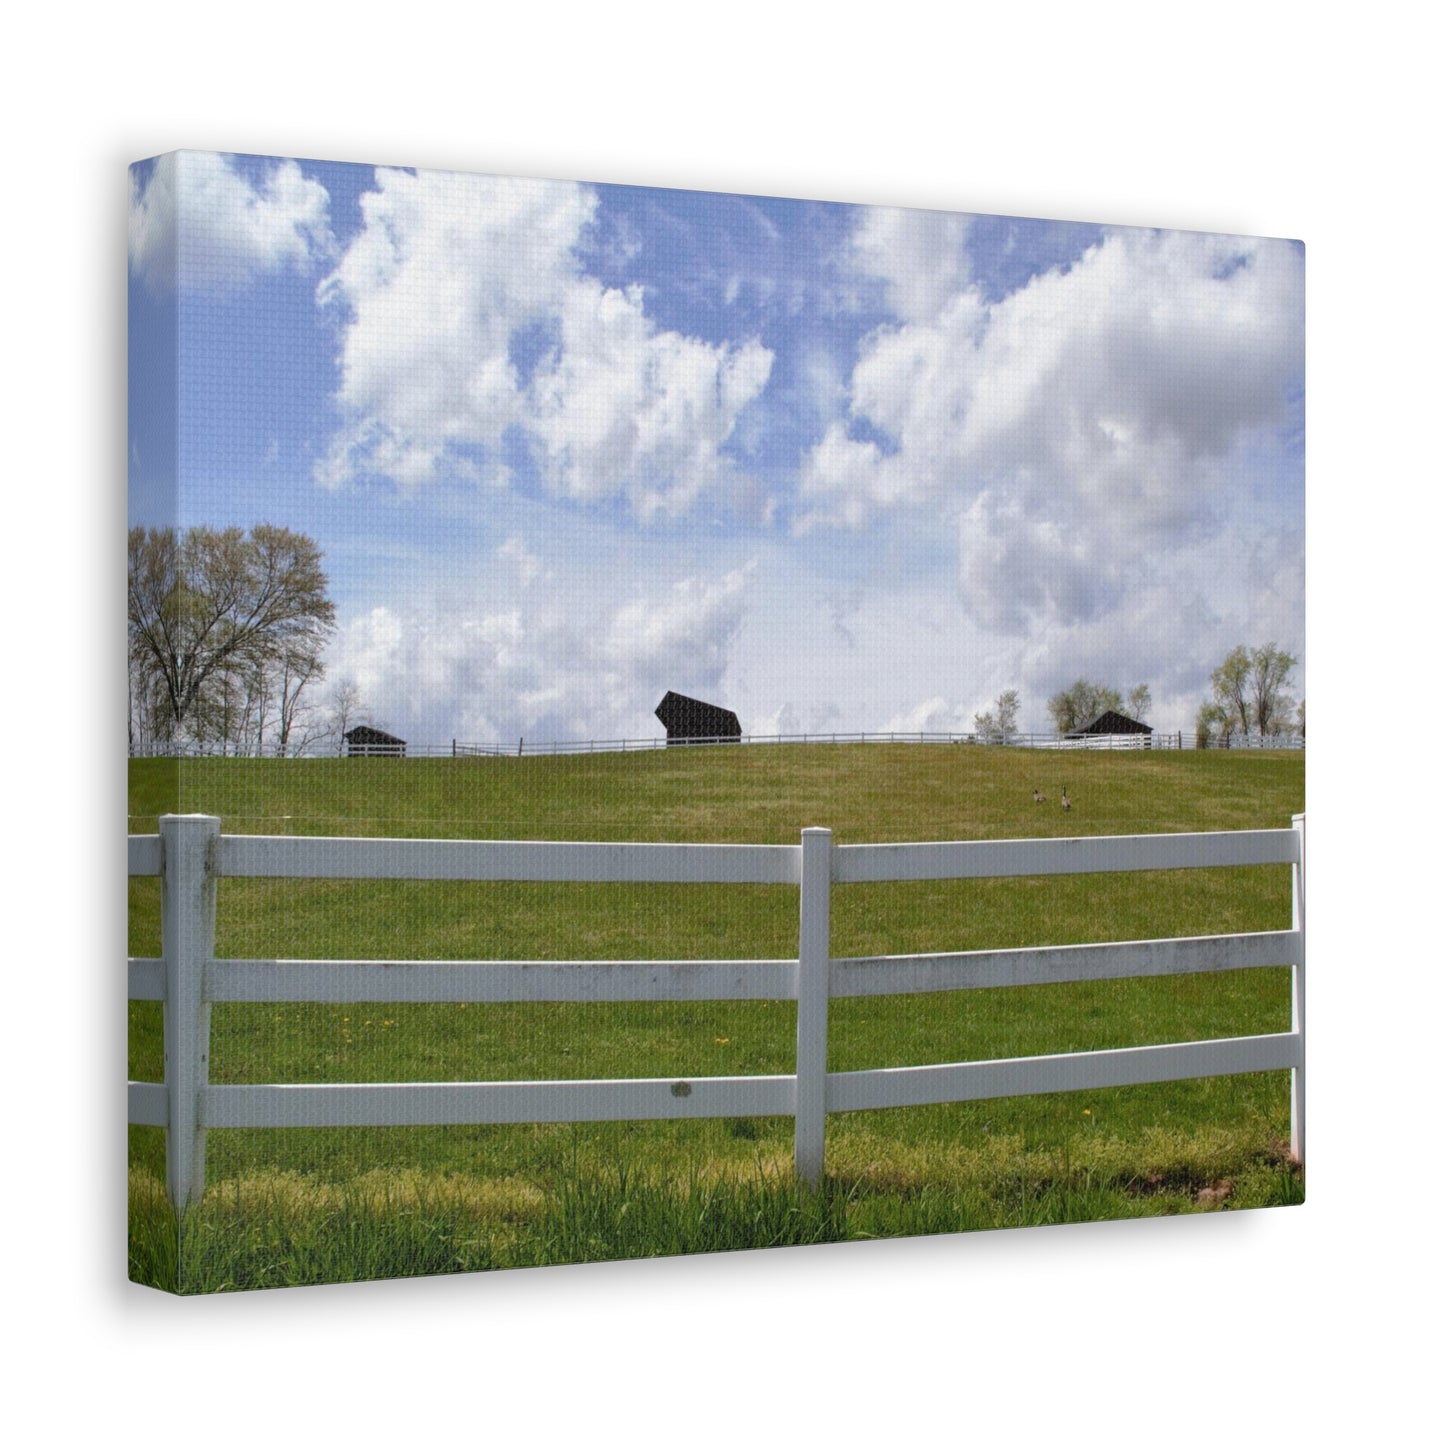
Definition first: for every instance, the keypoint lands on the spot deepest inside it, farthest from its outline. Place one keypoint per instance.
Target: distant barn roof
(369, 742)
(687, 718)
(371, 736)
(1111, 722)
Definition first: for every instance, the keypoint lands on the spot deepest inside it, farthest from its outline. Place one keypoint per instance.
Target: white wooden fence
(190, 854)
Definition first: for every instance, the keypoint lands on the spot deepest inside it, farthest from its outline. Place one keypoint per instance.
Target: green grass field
(294, 1206)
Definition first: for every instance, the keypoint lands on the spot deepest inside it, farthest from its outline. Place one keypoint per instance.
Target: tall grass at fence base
(269, 1230)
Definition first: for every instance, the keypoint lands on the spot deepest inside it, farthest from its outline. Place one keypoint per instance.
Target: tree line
(1077, 706)
(226, 631)
(1073, 708)
(1248, 696)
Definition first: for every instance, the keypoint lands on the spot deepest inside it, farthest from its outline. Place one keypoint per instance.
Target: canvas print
(664, 721)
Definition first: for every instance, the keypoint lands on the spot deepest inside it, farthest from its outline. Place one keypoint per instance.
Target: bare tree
(295, 726)
(1140, 702)
(210, 612)
(346, 711)
(146, 704)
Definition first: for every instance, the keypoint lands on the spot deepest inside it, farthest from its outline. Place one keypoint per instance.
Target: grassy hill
(520, 1194)
(867, 793)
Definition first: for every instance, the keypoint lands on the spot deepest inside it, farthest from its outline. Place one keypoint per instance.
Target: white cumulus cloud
(933, 715)
(468, 317)
(526, 564)
(198, 223)
(1078, 432)
(680, 639)
(919, 256)
(783, 721)
(550, 671)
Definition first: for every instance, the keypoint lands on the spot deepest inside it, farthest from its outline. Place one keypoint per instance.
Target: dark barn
(1111, 724)
(366, 742)
(689, 721)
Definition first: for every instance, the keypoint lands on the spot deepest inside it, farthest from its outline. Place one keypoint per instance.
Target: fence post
(811, 1104)
(1297, 1002)
(188, 939)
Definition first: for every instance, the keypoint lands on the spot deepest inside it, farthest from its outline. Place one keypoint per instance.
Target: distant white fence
(1099, 742)
(190, 855)
(1052, 742)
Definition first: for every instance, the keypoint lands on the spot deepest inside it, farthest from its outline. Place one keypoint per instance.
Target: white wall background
(1232, 118)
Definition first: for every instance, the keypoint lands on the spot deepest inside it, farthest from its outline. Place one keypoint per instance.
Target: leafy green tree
(1008, 715)
(1077, 706)
(1209, 722)
(1004, 727)
(1269, 670)
(1140, 702)
(1249, 685)
(1231, 683)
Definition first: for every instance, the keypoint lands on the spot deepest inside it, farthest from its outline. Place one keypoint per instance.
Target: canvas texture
(667, 722)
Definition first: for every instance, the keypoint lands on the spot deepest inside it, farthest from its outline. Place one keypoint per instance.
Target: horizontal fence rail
(144, 855)
(581, 1101)
(603, 981)
(1059, 1073)
(1029, 857)
(1070, 963)
(190, 855)
(239, 856)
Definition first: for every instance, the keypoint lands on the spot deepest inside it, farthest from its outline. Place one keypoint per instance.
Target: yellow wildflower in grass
(720, 1040)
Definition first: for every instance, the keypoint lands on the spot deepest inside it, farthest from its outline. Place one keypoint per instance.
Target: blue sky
(567, 446)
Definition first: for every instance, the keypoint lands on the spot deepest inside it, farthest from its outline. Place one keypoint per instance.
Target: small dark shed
(1111, 723)
(689, 721)
(367, 742)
